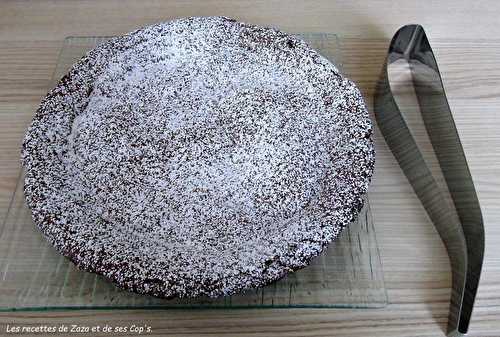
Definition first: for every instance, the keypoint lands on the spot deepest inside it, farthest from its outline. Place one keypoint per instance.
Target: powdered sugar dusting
(198, 157)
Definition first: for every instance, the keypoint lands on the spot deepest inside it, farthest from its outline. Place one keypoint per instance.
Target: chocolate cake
(201, 156)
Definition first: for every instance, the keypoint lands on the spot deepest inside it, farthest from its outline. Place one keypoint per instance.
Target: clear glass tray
(33, 276)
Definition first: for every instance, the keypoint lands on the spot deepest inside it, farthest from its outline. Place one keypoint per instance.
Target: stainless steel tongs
(459, 223)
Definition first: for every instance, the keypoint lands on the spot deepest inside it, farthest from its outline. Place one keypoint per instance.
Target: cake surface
(201, 156)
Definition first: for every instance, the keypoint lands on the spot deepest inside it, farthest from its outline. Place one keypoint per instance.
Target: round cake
(201, 156)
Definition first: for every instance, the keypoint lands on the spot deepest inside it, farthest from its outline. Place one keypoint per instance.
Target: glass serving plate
(34, 276)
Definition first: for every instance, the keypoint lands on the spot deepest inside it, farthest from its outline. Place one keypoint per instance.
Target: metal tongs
(460, 222)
